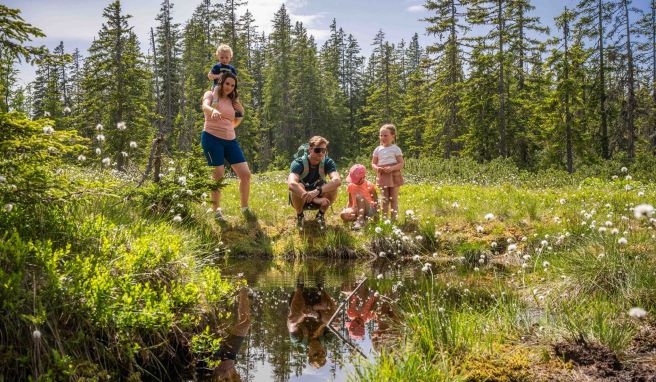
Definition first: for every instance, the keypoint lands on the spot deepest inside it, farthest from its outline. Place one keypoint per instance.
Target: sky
(76, 22)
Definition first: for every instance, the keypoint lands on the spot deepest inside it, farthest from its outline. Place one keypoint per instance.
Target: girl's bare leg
(394, 200)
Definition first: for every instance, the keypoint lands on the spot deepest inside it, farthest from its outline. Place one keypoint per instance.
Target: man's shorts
(216, 149)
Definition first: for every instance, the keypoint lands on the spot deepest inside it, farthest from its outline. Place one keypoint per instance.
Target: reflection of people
(384, 316)
(307, 186)
(310, 310)
(359, 312)
(229, 348)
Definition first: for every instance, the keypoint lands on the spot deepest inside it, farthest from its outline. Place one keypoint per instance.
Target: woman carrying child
(223, 113)
(387, 161)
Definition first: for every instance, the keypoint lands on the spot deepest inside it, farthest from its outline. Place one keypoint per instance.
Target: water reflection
(289, 338)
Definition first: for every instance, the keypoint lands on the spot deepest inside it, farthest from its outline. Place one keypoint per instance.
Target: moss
(504, 365)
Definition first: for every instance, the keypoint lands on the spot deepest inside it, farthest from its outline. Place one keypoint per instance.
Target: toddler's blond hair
(223, 48)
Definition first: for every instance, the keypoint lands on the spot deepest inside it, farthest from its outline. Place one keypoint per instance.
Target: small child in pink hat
(362, 199)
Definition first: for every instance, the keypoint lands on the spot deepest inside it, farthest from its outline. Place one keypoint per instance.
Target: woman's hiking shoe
(218, 215)
(300, 219)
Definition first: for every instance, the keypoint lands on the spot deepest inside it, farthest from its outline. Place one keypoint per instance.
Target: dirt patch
(599, 363)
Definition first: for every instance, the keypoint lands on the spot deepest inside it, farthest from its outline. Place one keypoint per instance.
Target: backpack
(302, 155)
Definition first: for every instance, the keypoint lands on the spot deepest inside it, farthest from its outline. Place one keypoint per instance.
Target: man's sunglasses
(319, 150)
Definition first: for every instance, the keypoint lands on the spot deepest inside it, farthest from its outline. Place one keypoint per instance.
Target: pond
(291, 337)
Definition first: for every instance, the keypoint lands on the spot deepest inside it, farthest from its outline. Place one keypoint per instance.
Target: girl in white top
(387, 161)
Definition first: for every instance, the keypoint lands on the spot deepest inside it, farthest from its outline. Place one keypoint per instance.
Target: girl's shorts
(389, 179)
(217, 149)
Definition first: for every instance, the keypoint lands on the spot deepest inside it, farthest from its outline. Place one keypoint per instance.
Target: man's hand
(308, 196)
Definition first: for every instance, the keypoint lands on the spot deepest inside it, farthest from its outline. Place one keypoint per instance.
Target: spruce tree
(116, 90)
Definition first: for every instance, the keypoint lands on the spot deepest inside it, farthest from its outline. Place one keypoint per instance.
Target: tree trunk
(630, 124)
(503, 145)
(568, 116)
(605, 152)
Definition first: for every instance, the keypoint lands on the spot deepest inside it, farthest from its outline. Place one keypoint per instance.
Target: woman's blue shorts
(216, 149)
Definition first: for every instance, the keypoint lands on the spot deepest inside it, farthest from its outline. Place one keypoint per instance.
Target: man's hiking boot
(321, 220)
(300, 219)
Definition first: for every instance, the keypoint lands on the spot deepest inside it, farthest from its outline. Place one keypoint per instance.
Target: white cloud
(415, 8)
(319, 34)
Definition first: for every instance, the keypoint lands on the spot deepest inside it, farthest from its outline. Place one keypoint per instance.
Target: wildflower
(479, 229)
(409, 212)
(124, 154)
(36, 334)
(526, 257)
(614, 177)
(455, 205)
(8, 207)
(628, 177)
(387, 221)
(489, 216)
(628, 187)
(133, 144)
(624, 169)
(562, 201)
(426, 267)
(476, 269)
(98, 151)
(608, 223)
(48, 130)
(643, 210)
(481, 260)
(46, 114)
(545, 264)
(380, 276)
(99, 127)
(524, 238)
(602, 229)
(512, 247)
(524, 266)
(177, 218)
(434, 254)
(544, 243)
(106, 161)
(3, 179)
(381, 254)
(622, 241)
(81, 158)
(189, 192)
(378, 230)
(493, 244)
(416, 257)
(636, 312)
(121, 126)
(182, 180)
(100, 138)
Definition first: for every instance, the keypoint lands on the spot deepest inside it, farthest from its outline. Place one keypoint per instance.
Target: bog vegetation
(530, 167)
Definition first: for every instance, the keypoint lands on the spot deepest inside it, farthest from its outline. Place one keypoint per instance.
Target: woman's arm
(208, 109)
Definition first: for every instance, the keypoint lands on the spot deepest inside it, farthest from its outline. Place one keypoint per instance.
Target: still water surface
(289, 338)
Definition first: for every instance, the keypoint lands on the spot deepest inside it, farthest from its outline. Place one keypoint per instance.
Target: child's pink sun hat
(356, 173)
